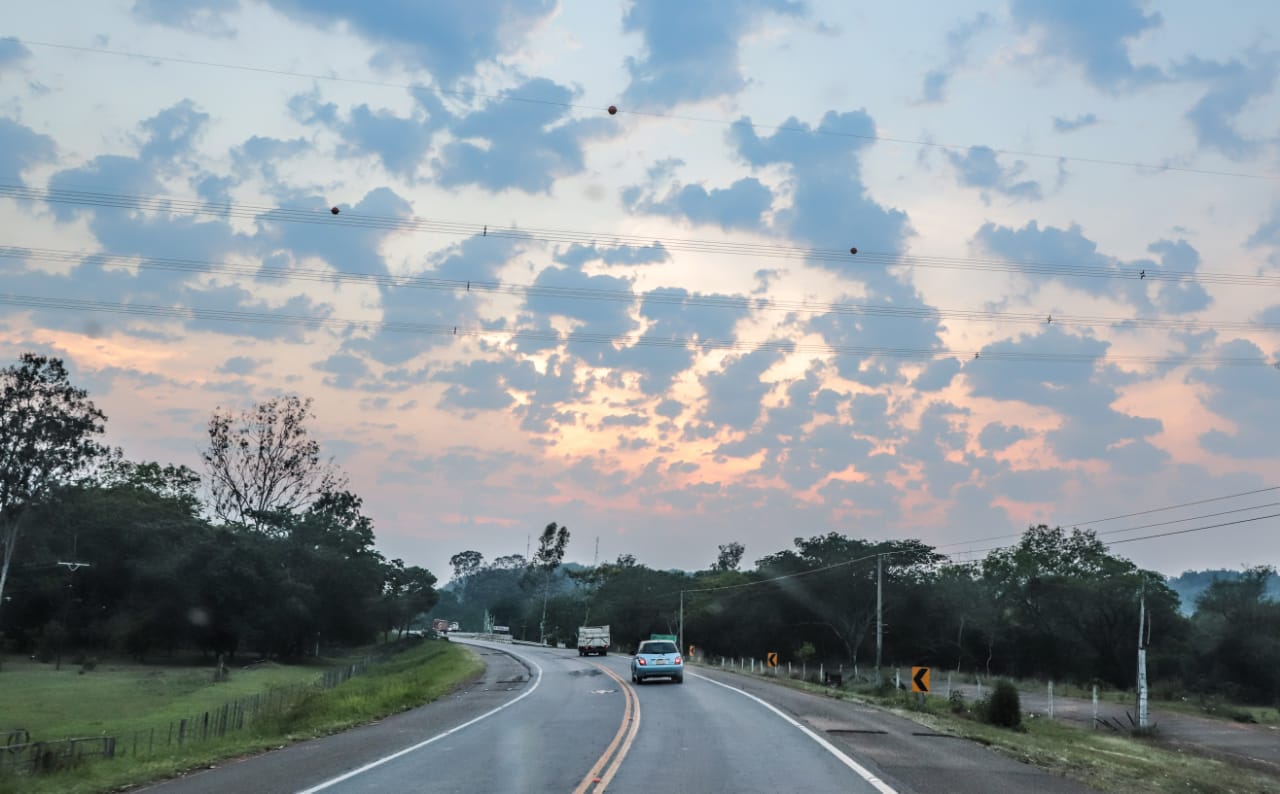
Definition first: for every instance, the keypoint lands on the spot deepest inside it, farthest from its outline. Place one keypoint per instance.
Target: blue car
(657, 659)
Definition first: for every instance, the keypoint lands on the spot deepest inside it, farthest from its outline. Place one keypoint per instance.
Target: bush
(1005, 706)
(956, 701)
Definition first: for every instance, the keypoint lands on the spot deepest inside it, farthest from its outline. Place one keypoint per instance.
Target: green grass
(1102, 759)
(409, 679)
(120, 698)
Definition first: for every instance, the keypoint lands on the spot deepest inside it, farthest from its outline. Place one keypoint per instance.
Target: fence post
(822, 672)
(897, 678)
(1095, 706)
(948, 686)
(1050, 698)
(182, 731)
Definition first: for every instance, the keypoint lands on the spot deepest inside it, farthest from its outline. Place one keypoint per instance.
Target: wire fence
(21, 755)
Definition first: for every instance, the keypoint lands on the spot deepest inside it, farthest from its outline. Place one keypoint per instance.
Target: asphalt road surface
(544, 720)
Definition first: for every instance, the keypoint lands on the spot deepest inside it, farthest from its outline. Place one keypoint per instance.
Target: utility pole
(879, 612)
(72, 567)
(680, 645)
(1143, 638)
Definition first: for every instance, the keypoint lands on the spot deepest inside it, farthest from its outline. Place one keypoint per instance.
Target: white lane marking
(862, 771)
(347, 776)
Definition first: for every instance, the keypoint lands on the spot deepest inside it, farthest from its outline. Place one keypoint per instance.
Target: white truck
(593, 639)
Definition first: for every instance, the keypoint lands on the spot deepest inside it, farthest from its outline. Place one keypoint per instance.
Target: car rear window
(657, 647)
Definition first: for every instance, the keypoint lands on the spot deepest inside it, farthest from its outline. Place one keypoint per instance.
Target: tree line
(268, 552)
(1057, 605)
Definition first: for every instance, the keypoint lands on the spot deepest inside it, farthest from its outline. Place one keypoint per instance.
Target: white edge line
(861, 770)
(361, 770)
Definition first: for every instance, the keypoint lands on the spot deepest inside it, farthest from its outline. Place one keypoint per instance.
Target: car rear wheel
(679, 679)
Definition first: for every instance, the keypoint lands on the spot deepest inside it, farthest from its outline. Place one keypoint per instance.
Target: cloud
(860, 338)
(1244, 396)
(739, 206)
(937, 375)
(477, 258)
(1268, 232)
(260, 155)
(1061, 124)
(12, 52)
(979, 168)
(959, 38)
(691, 49)
(577, 255)
(448, 40)
(242, 365)
(522, 145)
(20, 148)
(1070, 248)
(997, 436)
(344, 371)
(1179, 297)
(1095, 36)
(1233, 87)
(400, 143)
(736, 391)
(1081, 390)
(197, 16)
(172, 132)
(829, 199)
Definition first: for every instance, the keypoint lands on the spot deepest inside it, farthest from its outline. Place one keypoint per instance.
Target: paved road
(551, 721)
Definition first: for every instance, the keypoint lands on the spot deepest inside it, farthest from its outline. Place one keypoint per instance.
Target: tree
(465, 563)
(730, 557)
(264, 460)
(46, 437)
(551, 546)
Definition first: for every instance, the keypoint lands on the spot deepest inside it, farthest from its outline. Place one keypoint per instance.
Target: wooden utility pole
(1143, 638)
(879, 612)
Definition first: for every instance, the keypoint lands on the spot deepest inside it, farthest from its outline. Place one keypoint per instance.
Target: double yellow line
(603, 770)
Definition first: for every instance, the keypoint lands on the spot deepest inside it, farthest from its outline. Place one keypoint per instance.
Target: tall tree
(730, 557)
(551, 546)
(47, 430)
(465, 564)
(264, 460)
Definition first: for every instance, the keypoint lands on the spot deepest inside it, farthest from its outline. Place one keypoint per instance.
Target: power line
(614, 110)
(1134, 540)
(1129, 529)
(595, 294)
(266, 214)
(1175, 507)
(572, 337)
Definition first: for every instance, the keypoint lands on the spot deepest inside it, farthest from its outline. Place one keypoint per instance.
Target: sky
(648, 325)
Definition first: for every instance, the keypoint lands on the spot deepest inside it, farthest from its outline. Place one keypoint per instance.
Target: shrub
(1005, 706)
(956, 701)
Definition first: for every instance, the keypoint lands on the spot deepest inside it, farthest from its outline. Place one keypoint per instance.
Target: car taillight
(679, 660)
(641, 662)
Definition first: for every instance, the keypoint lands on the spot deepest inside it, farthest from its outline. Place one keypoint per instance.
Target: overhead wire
(681, 297)
(1128, 529)
(414, 224)
(653, 114)
(572, 337)
(1165, 534)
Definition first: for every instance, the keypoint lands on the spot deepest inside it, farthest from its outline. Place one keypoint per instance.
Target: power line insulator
(613, 110)
(334, 210)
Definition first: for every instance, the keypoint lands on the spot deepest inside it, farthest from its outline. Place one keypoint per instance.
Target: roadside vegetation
(1104, 759)
(422, 672)
(164, 617)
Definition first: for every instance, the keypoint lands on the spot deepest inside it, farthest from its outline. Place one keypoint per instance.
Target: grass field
(130, 697)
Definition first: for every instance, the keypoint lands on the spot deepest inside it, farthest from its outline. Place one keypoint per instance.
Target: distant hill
(1190, 584)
